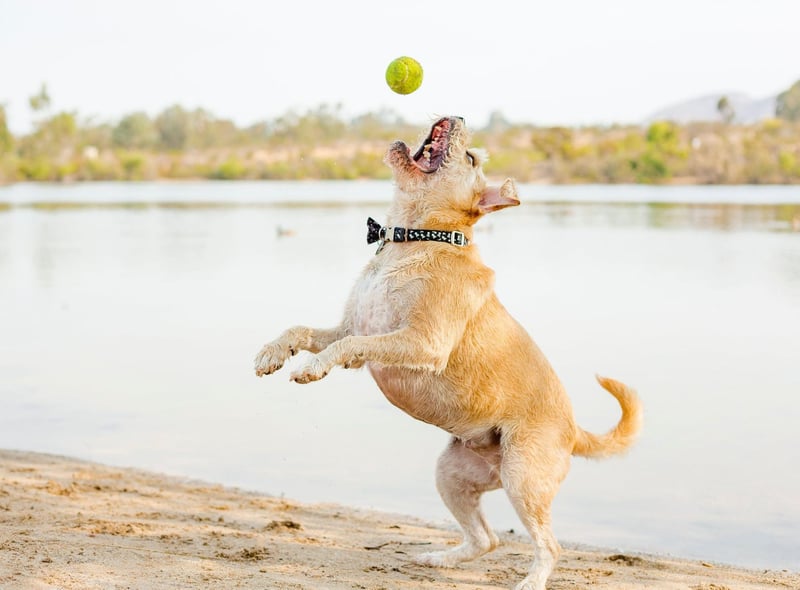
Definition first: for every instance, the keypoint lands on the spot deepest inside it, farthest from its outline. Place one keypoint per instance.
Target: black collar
(378, 233)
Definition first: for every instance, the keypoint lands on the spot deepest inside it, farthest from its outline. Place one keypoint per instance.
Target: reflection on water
(674, 215)
(126, 336)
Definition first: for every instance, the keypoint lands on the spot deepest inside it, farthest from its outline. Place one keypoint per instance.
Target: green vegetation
(788, 106)
(6, 139)
(322, 144)
(725, 109)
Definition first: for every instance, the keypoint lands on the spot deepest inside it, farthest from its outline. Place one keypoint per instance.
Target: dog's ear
(495, 198)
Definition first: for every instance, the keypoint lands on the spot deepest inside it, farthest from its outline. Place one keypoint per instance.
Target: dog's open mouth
(431, 154)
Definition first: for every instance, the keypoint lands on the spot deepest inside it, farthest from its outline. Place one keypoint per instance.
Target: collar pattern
(377, 233)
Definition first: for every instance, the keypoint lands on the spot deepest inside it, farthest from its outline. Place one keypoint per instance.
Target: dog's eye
(471, 159)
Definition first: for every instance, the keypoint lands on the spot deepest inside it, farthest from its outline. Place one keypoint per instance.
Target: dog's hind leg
(462, 476)
(532, 470)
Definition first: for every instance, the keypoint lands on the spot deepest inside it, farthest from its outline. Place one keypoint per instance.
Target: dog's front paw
(314, 370)
(271, 358)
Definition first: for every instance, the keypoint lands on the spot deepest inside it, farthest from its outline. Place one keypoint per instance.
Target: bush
(230, 169)
(650, 168)
(133, 165)
(37, 169)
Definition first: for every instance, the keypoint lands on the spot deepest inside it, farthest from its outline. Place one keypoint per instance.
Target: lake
(130, 315)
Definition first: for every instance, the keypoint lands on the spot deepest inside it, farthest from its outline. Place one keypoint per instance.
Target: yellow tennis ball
(404, 75)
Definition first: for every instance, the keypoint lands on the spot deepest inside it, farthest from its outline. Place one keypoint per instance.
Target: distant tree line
(321, 143)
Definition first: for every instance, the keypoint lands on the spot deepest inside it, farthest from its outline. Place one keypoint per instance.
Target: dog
(424, 317)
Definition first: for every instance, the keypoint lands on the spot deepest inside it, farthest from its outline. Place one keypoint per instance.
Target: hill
(746, 109)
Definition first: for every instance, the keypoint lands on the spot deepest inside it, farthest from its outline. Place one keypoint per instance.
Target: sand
(71, 524)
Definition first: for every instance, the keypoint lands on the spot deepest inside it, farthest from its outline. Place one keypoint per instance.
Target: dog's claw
(306, 377)
(313, 371)
(260, 372)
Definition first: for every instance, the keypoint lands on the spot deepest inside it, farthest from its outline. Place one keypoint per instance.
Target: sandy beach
(71, 524)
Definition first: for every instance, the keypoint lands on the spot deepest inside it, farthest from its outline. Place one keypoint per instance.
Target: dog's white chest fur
(372, 309)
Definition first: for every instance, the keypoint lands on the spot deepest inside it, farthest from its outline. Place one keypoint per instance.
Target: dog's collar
(377, 233)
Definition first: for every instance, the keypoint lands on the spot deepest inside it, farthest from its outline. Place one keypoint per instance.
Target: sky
(565, 62)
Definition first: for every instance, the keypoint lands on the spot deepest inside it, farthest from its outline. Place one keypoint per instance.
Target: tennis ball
(404, 75)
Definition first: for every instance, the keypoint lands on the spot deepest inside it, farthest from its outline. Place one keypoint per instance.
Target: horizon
(573, 64)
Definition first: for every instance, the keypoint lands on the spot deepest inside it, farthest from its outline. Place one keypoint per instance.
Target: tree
(322, 124)
(207, 131)
(6, 139)
(41, 100)
(788, 103)
(135, 131)
(725, 109)
(173, 128)
(663, 136)
(52, 136)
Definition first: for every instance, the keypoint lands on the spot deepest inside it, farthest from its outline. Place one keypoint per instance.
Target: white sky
(558, 62)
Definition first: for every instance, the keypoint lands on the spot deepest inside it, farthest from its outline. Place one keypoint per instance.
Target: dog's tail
(622, 436)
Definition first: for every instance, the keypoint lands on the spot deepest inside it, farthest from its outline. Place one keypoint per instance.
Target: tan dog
(425, 319)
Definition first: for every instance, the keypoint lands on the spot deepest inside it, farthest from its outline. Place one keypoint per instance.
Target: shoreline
(72, 524)
(677, 181)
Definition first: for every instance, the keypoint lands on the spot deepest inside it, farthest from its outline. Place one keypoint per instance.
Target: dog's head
(444, 178)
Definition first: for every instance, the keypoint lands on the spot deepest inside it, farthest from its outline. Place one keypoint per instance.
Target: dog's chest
(383, 299)
(375, 310)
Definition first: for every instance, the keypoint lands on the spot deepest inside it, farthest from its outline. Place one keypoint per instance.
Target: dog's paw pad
(307, 377)
(313, 371)
(300, 378)
(303, 378)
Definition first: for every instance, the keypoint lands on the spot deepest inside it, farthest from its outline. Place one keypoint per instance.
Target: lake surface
(130, 315)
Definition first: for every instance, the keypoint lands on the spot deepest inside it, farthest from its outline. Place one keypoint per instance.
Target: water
(128, 325)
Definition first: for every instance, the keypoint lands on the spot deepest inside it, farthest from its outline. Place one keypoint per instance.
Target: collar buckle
(458, 239)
